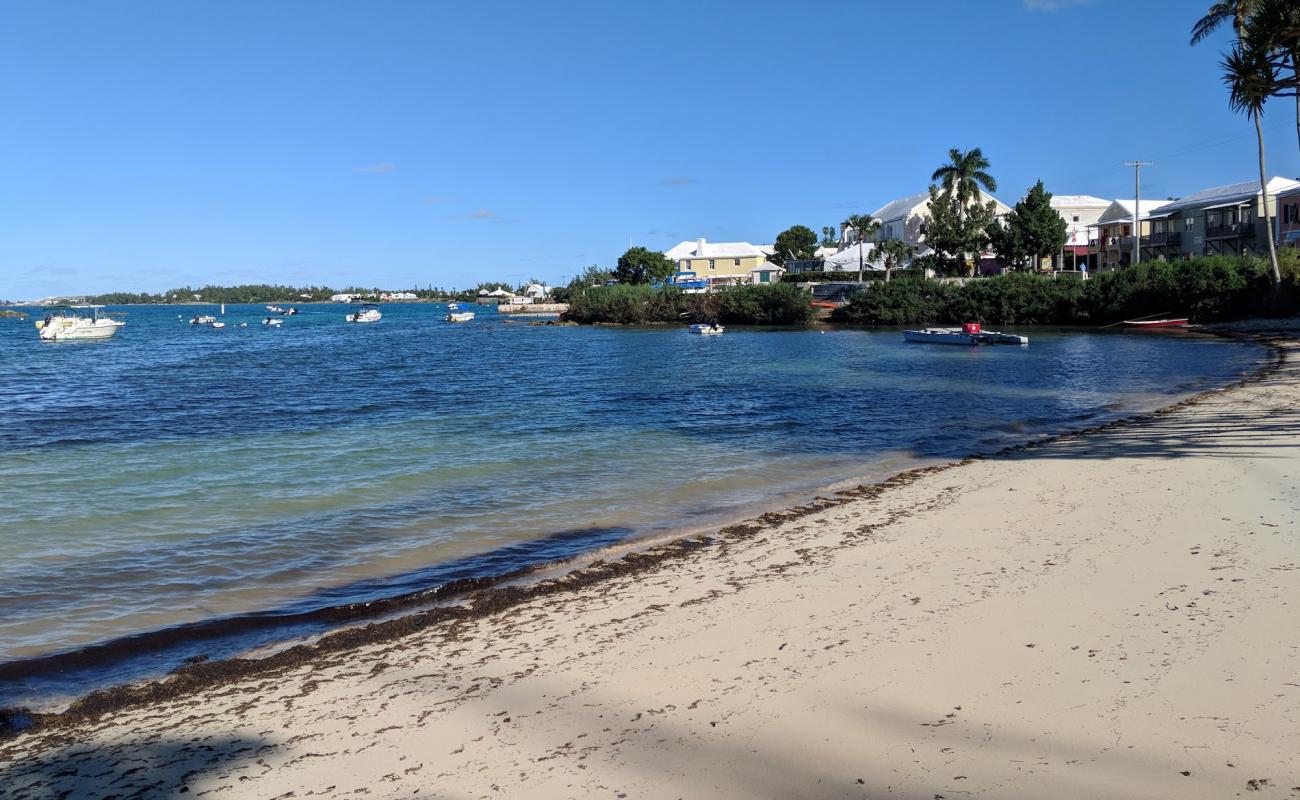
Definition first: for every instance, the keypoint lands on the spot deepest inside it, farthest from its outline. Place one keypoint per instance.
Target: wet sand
(1104, 615)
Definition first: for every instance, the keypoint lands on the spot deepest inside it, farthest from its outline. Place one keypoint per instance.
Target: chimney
(699, 247)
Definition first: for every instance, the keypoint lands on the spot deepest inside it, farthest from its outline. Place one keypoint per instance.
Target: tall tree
(1273, 28)
(640, 265)
(1042, 230)
(864, 228)
(954, 233)
(964, 175)
(894, 252)
(828, 236)
(1234, 11)
(1007, 243)
(1250, 78)
(796, 243)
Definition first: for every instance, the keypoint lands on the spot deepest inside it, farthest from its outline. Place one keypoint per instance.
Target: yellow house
(724, 263)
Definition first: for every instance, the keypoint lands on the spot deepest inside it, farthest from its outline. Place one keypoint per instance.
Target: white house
(537, 291)
(905, 217)
(723, 263)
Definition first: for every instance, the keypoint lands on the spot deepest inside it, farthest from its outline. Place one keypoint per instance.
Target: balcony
(1163, 238)
(1245, 230)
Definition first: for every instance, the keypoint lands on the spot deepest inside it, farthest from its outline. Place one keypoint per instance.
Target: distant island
(272, 293)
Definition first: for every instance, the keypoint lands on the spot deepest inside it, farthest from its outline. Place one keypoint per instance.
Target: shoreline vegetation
(480, 697)
(1206, 289)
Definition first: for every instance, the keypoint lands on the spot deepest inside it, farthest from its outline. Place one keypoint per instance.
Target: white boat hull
(958, 336)
(707, 330)
(463, 316)
(62, 330)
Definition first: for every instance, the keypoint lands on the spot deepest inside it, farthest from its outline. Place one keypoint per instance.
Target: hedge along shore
(1093, 615)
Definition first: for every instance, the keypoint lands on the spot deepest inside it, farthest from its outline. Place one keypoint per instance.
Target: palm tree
(895, 252)
(1250, 79)
(1273, 28)
(865, 226)
(1220, 12)
(963, 176)
(828, 236)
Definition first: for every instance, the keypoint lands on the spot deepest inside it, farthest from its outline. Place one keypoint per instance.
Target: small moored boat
(205, 319)
(368, 312)
(968, 334)
(1169, 322)
(708, 330)
(460, 316)
(67, 323)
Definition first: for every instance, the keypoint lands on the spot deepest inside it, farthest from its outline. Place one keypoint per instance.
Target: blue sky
(144, 145)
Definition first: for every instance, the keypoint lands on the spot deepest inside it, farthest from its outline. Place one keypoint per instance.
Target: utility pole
(1137, 207)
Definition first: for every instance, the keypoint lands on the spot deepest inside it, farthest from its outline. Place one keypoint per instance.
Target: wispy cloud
(678, 180)
(483, 213)
(375, 169)
(434, 200)
(1054, 5)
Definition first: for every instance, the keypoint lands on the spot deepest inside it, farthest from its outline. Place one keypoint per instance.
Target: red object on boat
(1175, 322)
(970, 327)
(823, 304)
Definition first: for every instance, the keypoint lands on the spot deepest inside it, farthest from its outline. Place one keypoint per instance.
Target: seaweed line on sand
(483, 603)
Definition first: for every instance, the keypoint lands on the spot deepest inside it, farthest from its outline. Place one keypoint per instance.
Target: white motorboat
(968, 334)
(453, 307)
(203, 320)
(274, 322)
(708, 330)
(218, 324)
(368, 312)
(460, 316)
(275, 309)
(68, 323)
(289, 312)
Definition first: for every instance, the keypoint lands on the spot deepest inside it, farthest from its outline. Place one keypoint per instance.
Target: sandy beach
(1107, 615)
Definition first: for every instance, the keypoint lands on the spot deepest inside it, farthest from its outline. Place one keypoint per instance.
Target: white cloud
(381, 167)
(482, 213)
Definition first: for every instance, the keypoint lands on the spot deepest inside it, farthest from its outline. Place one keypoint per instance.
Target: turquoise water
(177, 475)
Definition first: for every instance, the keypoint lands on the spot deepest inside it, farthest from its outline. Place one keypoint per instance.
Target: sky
(149, 145)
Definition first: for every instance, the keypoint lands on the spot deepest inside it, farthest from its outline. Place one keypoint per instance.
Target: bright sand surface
(1112, 615)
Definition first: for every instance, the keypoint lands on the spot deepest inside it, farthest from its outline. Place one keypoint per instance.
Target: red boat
(1173, 322)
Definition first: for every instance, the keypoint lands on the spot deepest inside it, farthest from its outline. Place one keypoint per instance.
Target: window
(1189, 223)
(1291, 212)
(711, 264)
(738, 262)
(1076, 218)
(686, 265)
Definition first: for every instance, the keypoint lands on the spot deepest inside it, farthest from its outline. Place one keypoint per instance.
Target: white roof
(897, 209)
(904, 206)
(1122, 210)
(847, 259)
(1079, 201)
(705, 249)
(1233, 192)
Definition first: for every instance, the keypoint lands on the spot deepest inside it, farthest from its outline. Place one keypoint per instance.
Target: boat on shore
(1168, 322)
(460, 316)
(367, 312)
(968, 334)
(68, 323)
(708, 330)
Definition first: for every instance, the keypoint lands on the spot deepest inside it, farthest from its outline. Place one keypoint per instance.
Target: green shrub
(1204, 289)
(832, 277)
(765, 304)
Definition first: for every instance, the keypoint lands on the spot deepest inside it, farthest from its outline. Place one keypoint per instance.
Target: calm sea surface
(176, 475)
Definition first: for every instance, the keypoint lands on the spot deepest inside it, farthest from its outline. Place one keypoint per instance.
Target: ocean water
(180, 490)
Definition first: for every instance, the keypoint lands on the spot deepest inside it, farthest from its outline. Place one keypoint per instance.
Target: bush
(833, 277)
(767, 304)
(1204, 289)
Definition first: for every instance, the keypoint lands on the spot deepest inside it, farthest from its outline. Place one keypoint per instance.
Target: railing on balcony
(1163, 238)
(1242, 229)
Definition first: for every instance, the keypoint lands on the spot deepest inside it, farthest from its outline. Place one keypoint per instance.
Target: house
(537, 291)
(905, 217)
(1080, 212)
(1114, 237)
(342, 298)
(1225, 220)
(722, 263)
(1288, 217)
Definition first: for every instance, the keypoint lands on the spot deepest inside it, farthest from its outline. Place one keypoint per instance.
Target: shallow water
(176, 475)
